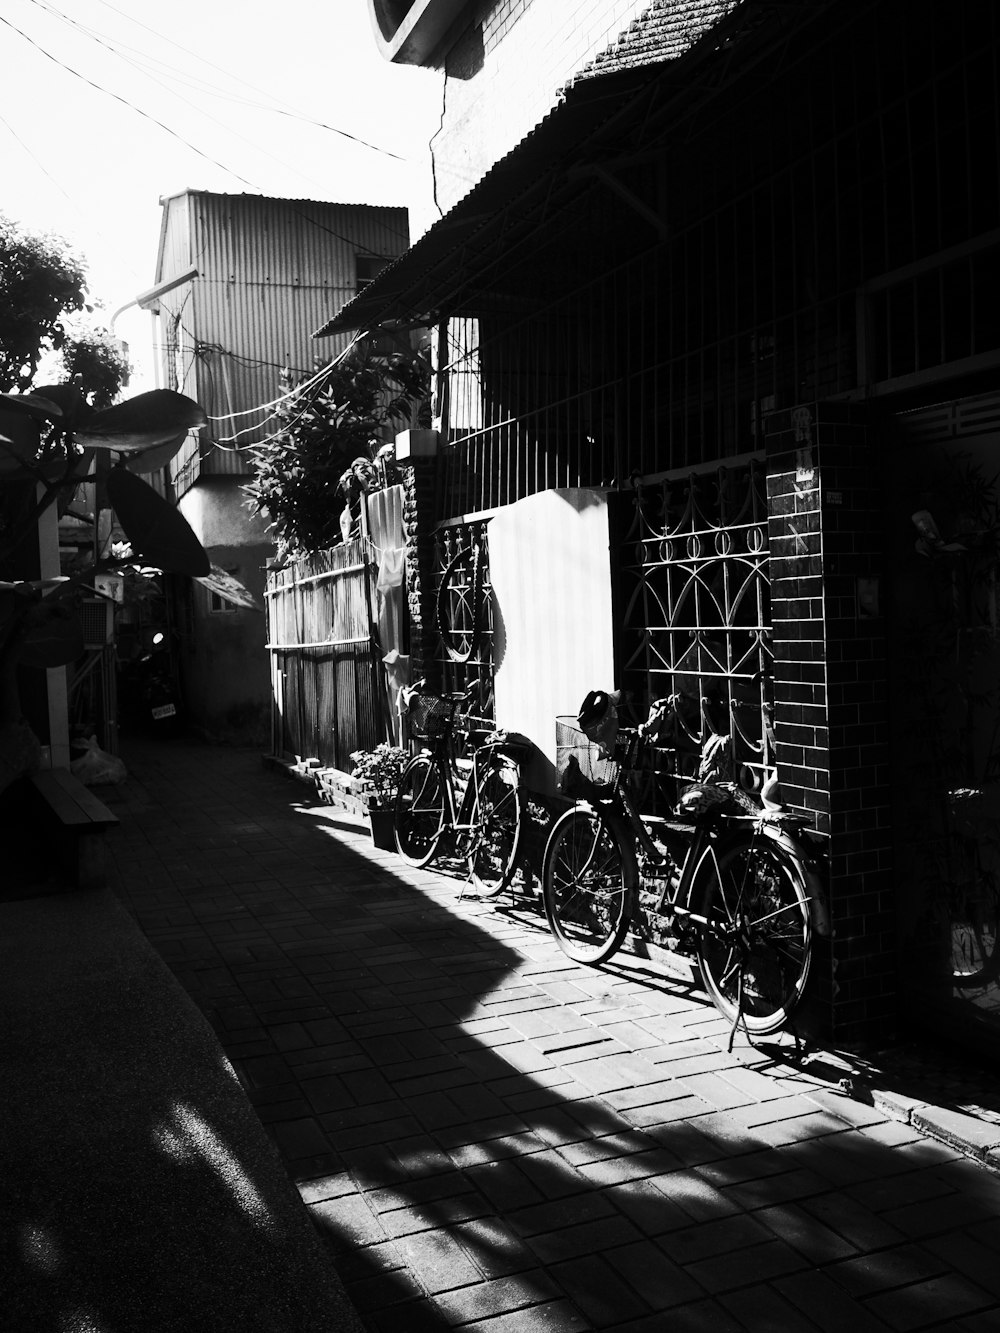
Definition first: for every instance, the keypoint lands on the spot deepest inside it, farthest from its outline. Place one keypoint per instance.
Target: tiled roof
(666, 30)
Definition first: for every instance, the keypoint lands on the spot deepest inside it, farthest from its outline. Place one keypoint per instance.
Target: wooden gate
(326, 671)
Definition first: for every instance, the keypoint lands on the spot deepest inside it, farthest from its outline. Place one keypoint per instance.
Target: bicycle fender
(819, 904)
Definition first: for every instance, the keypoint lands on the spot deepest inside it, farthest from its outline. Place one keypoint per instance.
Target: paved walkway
(493, 1138)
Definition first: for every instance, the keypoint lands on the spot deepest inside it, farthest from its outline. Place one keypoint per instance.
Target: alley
(494, 1138)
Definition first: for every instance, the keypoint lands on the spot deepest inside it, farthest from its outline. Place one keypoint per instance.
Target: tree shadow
(482, 1129)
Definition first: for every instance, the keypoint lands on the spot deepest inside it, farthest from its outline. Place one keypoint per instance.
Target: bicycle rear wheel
(496, 842)
(756, 951)
(972, 904)
(587, 879)
(419, 811)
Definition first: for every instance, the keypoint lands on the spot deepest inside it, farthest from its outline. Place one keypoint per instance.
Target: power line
(148, 71)
(125, 102)
(258, 189)
(278, 110)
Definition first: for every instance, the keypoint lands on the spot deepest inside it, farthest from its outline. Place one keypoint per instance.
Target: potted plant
(376, 776)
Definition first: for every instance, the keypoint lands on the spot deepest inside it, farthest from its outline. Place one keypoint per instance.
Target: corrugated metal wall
(270, 272)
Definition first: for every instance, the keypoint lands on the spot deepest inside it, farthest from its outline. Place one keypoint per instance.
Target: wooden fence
(326, 671)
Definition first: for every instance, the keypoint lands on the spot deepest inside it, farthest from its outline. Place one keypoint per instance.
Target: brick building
(721, 290)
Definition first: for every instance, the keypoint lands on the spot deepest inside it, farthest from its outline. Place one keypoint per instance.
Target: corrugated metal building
(254, 277)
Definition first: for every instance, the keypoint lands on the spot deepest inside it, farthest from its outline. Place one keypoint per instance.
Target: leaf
(37, 405)
(218, 581)
(151, 460)
(54, 637)
(148, 420)
(158, 531)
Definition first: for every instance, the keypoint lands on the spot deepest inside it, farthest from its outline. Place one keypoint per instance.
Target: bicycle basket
(429, 715)
(579, 757)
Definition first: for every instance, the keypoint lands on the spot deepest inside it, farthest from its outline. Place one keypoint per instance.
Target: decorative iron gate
(691, 575)
(464, 611)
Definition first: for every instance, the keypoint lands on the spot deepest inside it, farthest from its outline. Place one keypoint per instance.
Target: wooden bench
(82, 822)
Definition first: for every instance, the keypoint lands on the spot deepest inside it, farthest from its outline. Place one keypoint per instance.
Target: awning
(606, 119)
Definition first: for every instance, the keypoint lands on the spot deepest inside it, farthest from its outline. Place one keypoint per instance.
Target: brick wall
(825, 509)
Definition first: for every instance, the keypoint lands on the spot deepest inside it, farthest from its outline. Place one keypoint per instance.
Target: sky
(108, 105)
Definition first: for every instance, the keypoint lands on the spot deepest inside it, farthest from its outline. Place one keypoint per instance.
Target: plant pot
(383, 828)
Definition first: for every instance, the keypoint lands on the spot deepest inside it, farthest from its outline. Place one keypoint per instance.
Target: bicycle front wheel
(587, 878)
(419, 811)
(496, 841)
(756, 950)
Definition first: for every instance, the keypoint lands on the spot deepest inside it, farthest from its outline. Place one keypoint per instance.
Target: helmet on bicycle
(598, 718)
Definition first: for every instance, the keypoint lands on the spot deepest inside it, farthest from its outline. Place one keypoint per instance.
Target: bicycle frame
(700, 835)
(461, 814)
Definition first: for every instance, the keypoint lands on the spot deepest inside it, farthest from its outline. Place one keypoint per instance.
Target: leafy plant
(381, 768)
(48, 444)
(329, 445)
(41, 281)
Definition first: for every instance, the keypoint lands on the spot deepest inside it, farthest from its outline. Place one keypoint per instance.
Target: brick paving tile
(650, 1272)
(551, 1317)
(420, 1316)
(495, 1247)
(855, 1223)
(705, 1316)
(761, 1307)
(698, 1198)
(455, 1208)
(726, 1272)
(499, 1296)
(493, 1138)
(966, 1254)
(597, 1290)
(504, 1185)
(550, 1216)
(692, 1244)
(445, 1186)
(928, 1302)
(817, 1242)
(438, 1260)
(586, 1238)
(937, 1216)
(647, 1206)
(827, 1305)
(870, 1273)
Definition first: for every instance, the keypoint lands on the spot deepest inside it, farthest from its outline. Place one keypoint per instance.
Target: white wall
(551, 573)
(532, 52)
(219, 517)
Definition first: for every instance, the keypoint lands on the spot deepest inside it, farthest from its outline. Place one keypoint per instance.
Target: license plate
(165, 710)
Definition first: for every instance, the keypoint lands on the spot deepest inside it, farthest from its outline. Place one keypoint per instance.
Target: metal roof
(669, 64)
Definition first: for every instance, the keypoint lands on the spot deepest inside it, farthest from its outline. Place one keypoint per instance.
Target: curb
(979, 1139)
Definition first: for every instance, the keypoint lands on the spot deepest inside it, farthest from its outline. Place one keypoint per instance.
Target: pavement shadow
(481, 1128)
(139, 1191)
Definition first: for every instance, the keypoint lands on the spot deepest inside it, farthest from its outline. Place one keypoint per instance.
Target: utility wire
(278, 110)
(149, 73)
(125, 102)
(258, 189)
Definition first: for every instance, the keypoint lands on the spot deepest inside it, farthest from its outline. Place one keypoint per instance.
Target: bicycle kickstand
(739, 1017)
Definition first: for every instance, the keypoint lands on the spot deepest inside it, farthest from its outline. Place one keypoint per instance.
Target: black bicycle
(728, 877)
(473, 806)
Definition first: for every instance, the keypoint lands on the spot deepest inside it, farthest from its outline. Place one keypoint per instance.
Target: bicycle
(729, 877)
(477, 803)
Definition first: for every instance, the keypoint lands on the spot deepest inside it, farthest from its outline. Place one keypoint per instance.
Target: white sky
(81, 163)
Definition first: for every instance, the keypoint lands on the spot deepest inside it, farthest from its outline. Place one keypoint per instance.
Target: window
(366, 268)
(217, 604)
